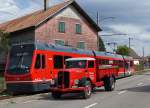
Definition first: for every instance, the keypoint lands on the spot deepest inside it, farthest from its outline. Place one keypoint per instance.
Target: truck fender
(83, 80)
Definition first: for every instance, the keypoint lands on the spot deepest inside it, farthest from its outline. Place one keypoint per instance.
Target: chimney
(45, 5)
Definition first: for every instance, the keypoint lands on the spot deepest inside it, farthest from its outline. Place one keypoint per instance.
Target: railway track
(5, 95)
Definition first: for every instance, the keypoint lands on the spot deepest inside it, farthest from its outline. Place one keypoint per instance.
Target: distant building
(64, 24)
(136, 57)
(146, 62)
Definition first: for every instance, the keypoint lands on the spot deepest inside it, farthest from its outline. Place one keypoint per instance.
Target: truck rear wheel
(109, 84)
(88, 90)
(56, 95)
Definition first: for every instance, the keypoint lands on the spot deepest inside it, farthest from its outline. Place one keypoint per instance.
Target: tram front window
(20, 59)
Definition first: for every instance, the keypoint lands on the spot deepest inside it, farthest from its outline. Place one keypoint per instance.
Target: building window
(81, 45)
(78, 28)
(61, 27)
(59, 42)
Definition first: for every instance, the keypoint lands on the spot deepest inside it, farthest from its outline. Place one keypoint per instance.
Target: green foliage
(101, 45)
(4, 42)
(123, 50)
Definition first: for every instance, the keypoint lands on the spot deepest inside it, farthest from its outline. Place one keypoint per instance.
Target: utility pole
(130, 42)
(143, 52)
(97, 33)
(143, 56)
(114, 45)
(97, 19)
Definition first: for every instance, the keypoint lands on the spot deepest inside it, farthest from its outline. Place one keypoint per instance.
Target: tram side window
(131, 63)
(120, 63)
(103, 62)
(100, 61)
(43, 61)
(58, 62)
(38, 62)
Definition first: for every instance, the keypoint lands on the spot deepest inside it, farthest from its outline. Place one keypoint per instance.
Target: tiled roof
(34, 19)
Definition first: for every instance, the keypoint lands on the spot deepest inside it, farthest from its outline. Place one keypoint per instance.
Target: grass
(2, 83)
(142, 71)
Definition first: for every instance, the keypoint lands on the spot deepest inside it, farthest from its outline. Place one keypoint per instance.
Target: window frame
(78, 28)
(80, 44)
(61, 41)
(60, 27)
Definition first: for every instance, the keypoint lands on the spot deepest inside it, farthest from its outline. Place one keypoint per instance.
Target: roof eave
(79, 9)
(87, 16)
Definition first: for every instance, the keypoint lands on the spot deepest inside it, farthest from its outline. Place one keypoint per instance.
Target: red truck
(82, 75)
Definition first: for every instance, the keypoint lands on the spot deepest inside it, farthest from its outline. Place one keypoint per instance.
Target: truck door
(92, 70)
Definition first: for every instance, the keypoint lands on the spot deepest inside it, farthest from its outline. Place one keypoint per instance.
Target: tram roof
(59, 48)
(108, 54)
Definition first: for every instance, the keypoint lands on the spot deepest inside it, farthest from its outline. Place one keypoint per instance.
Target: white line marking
(139, 84)
(91, 105)
(29, 101)
(122, 92)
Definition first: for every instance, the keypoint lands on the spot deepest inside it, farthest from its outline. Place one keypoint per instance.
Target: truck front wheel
(88, 90)
(109, 84)
(56, 95)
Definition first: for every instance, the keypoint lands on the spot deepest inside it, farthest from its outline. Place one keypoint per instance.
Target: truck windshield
(76, 64)
(20, 59)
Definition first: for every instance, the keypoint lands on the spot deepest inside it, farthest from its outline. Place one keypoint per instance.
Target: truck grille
(63, 79)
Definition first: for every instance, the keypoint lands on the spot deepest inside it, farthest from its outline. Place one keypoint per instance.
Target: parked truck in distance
(83, 74)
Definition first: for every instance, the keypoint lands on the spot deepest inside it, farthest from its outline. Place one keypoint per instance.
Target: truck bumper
(67, 90)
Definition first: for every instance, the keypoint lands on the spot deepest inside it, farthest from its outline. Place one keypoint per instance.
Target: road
(131, 92)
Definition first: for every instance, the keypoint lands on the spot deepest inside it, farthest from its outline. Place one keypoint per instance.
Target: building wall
(22, 36)
(48, 32)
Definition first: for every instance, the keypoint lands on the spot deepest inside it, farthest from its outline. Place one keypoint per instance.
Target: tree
(123, 50)
(4, 42)
(101, 45)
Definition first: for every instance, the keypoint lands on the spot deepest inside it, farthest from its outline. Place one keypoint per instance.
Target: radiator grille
(63, 79)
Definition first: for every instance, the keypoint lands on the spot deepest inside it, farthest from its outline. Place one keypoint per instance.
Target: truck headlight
(76, 82)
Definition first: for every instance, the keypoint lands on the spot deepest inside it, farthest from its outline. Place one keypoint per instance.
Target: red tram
(31, 67)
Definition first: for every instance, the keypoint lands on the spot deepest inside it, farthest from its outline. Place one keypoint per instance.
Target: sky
(127, 17)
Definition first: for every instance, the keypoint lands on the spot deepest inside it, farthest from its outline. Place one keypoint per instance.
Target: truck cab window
(91, 64)
(66, 57)
(58, 62)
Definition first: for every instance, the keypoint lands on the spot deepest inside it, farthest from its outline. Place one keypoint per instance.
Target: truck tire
(88, 90)
(109, 84)
(56, 95)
